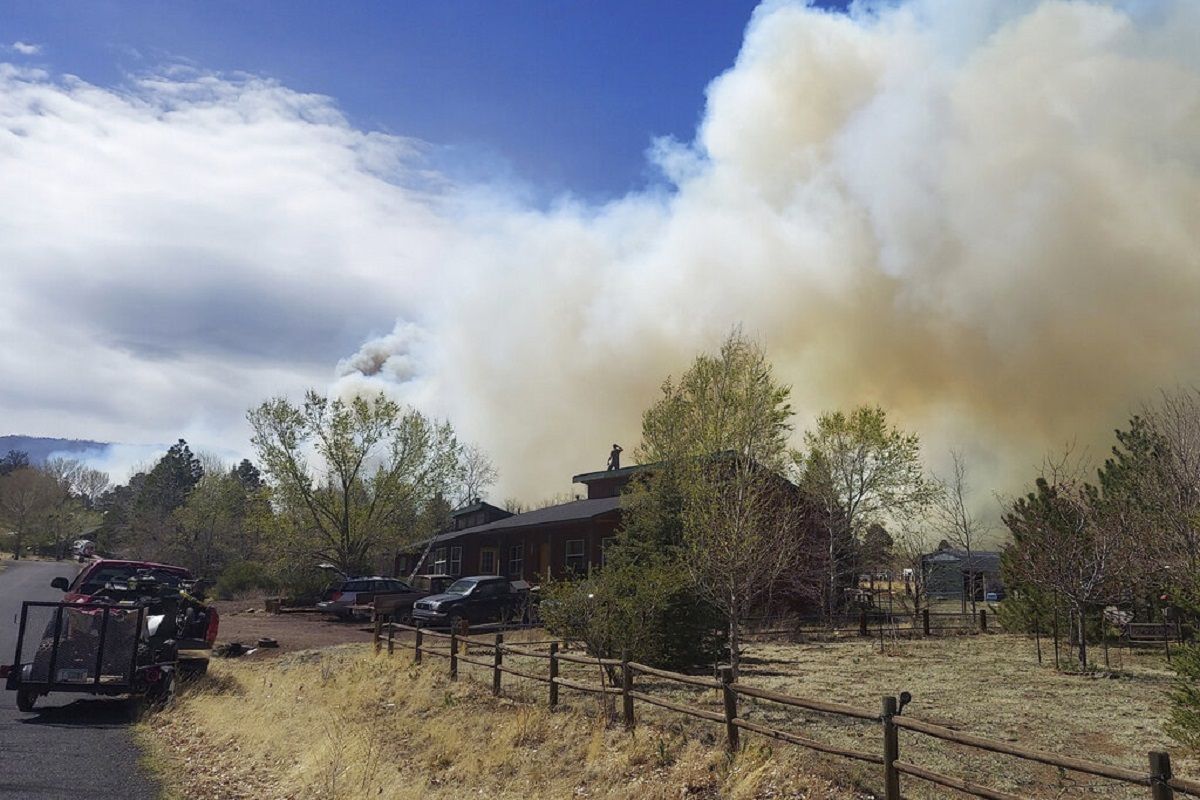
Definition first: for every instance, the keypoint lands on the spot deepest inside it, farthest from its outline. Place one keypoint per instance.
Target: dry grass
(988, 685)
(343, 723)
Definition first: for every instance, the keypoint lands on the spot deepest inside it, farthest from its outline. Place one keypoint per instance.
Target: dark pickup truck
(482, 598)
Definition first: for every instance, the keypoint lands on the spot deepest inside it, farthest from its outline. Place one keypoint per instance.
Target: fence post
(378, 632)
(553, 675)
(497, 660)
(891, 750)
(1160, 773)
(731, 730)
(862, 623)
(453, 654)
(626, 688)
(925, 621)
(391, 634)
(983, 620)
(417, 648)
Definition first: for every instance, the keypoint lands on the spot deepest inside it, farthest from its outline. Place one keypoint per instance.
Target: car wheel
(456, 622)
(26, 698)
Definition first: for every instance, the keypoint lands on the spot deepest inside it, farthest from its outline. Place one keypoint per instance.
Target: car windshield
(461, 587)
(120, 573)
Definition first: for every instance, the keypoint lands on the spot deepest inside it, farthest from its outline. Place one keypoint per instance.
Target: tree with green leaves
(352, 470)
(720, 435)
(707, 529)
(27, 495)
(862, 470)
(212, 524)
(1064, 546)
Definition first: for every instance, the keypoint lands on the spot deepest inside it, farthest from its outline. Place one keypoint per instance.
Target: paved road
(69, 748)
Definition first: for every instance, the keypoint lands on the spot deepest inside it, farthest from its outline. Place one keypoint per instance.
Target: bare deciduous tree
(476, 474)
(955, 522)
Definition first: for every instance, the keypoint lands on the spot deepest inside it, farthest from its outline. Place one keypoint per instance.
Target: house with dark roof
(559, 540)
(950, 574)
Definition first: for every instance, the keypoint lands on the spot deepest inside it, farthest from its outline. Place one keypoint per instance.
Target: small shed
(949, 574)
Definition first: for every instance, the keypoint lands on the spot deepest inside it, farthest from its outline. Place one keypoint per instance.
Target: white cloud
(984, 221)
(25, 48)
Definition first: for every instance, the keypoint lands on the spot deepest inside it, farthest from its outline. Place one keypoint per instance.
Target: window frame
(454, 564)
(605, 543)
(581, 556)
(516, 561)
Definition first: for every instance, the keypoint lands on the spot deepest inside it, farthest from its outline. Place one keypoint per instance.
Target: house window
(516, 561)
(605, 543)
(575, 559)
(439, 561)
(487, 561)
(454, 567)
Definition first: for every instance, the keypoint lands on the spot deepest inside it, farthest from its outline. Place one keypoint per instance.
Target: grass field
(377, 723)
(991, 686)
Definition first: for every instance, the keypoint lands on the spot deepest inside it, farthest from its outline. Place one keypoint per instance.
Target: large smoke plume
(984, 216)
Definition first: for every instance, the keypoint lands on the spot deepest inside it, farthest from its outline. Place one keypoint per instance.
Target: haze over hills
(40, 448)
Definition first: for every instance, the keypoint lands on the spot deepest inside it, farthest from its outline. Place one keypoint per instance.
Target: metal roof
(477, 506)
(575, 511)
(623, 472)
(981, 560)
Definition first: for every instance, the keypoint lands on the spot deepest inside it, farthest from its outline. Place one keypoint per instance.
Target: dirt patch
(247, 621)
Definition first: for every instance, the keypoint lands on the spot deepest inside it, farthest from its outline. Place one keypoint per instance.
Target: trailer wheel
(163, 691)
(26, 698)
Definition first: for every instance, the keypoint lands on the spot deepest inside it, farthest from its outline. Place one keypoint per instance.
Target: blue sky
(883, 200)
(564, 96)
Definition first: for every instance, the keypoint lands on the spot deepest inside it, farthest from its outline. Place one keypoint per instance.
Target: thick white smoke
(983, 215)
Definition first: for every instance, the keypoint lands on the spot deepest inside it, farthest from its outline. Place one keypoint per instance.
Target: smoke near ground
(983, 216)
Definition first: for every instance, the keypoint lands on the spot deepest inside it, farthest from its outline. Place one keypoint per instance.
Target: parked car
(481, 598)
(83, 549)
(341, 598)
(435, 583)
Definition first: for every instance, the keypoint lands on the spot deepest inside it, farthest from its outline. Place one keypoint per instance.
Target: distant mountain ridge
(40, 448)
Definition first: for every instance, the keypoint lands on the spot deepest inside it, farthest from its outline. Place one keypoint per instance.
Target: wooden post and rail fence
(1159, 780)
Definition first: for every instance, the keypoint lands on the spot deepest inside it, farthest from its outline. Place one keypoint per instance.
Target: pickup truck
(481, 598)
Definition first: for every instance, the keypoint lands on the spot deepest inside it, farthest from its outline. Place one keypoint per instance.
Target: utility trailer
(97, 648)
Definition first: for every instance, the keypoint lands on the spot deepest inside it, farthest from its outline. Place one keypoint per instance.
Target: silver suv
(341, 598)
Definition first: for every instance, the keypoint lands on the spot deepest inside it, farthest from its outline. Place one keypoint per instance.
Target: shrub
(244, 577)
(649, 612)
(1184, 722)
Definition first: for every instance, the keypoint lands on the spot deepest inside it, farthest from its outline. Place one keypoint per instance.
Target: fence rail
(1159, 780)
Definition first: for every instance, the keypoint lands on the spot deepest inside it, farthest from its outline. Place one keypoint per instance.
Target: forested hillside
(39, 448)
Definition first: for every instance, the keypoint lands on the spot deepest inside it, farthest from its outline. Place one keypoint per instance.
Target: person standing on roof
(614, 458)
